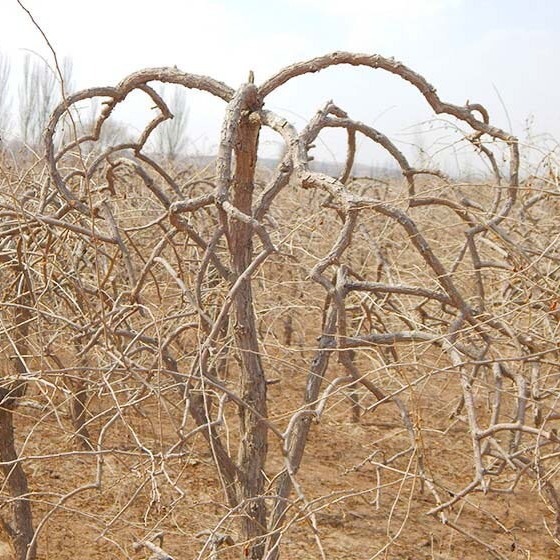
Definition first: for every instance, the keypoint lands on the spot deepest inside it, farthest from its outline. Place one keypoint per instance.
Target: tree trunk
(20, 527)
(254, 444)
(78, 411)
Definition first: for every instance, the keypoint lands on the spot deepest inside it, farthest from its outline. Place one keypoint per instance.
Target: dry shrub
(255, 361)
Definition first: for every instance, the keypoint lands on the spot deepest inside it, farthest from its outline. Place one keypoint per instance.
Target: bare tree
(176, 336)
(39, 93)
(13, 387)
(5, 102)
(169, 139)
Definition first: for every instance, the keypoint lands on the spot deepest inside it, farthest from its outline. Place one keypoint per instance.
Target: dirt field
(361, 511)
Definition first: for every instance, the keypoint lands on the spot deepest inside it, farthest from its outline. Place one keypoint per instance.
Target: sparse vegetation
(240, 362)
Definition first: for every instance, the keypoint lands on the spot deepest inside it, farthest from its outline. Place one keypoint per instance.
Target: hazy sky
(502, 53)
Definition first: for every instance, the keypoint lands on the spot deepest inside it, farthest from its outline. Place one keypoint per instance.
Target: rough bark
(78, 412)
(20, 527)
(254, 442)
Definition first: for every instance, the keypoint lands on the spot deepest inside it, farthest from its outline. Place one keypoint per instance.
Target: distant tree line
(26, 108)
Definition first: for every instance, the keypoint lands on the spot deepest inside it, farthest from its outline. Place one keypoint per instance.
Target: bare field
(360, 507)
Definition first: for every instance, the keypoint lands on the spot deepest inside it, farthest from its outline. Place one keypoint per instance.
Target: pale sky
(501, 53)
